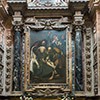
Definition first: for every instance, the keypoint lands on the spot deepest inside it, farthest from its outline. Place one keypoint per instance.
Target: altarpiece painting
(48, 56)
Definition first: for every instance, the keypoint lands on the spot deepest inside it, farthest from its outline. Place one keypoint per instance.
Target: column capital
(78, 21)
(17, 21)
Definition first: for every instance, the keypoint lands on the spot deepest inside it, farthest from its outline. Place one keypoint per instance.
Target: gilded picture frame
(40, 88)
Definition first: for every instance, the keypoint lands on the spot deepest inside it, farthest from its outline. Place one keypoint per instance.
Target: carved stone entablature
(40, 24)
(49, 4)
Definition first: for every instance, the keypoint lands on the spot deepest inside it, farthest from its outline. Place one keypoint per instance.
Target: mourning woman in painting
(47, 60)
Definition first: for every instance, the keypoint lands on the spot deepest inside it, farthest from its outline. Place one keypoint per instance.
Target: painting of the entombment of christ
(48, 56)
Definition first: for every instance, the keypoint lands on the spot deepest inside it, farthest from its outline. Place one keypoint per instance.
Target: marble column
(17, 61)
(78, 66)
(17, 51)
(78, 61)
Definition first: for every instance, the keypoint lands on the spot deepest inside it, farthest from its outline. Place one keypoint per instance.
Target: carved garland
(9, 46)
(88, 61)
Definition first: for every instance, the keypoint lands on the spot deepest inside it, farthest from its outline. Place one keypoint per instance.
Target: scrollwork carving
(40, 24)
